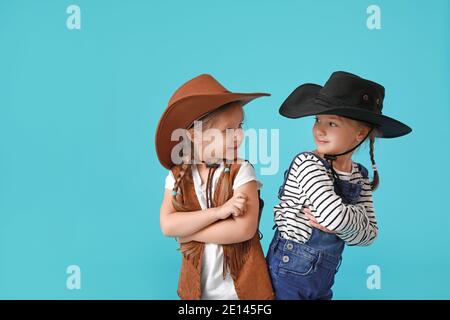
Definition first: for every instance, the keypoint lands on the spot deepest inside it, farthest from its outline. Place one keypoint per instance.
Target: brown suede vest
(245, 260)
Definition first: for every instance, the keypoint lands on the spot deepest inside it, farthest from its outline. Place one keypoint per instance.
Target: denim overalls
(306, 271)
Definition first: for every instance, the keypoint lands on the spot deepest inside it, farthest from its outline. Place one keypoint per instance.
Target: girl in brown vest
(211, 203)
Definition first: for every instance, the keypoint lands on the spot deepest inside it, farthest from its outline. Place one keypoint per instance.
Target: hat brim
(302, 102)
(184, 112)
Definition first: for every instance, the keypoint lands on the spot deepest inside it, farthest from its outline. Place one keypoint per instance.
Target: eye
(240, 125)
(316, 119)
(332, 124)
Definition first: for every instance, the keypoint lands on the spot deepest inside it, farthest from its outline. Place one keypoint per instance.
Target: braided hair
(376, 178)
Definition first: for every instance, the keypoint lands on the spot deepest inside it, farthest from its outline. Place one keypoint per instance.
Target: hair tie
(374, 167)
(226, 170)
(174, 193)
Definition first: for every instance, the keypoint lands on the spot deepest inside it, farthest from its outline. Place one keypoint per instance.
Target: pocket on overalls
(296, 264)
(350, 192)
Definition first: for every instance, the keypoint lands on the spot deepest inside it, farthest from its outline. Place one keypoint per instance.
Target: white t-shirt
(214, 287)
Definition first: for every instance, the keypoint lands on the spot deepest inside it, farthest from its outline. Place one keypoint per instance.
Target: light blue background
(79, 179)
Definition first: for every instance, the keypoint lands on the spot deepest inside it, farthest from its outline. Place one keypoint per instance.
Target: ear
(362, 133)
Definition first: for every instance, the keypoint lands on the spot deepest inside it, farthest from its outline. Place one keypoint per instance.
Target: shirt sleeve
(170, 181)
(363, 236)
(328, 207)
(291, 204)
(246, 174)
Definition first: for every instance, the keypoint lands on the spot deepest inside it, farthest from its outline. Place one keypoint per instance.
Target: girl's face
(335, 134)
(221, 135)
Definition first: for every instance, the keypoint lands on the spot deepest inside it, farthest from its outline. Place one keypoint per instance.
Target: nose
(319, 129)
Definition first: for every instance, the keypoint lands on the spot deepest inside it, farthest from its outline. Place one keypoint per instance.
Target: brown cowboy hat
(193, 100)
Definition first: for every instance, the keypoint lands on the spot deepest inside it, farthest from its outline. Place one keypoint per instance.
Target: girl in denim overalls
(326, 199)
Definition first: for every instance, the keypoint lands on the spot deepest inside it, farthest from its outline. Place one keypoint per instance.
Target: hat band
(328, 101)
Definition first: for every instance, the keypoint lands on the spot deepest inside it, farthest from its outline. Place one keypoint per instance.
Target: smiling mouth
(322, 142)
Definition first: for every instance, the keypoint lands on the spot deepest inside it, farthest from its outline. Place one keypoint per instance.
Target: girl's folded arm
(233, 229)
(330, 211)
(179, 224)
(363, 236)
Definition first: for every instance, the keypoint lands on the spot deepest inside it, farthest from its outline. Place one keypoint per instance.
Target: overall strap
(324, 162)
(363, 170)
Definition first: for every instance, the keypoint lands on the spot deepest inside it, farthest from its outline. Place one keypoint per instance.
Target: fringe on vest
(234, 255)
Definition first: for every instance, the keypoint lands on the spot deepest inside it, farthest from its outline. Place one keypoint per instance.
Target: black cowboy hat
(346, 95)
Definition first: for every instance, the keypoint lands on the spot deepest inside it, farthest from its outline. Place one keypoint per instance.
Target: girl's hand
(313, 221)
(235, 206)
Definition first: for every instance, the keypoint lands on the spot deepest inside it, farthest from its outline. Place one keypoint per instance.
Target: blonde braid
(179, 206)
(226, 187)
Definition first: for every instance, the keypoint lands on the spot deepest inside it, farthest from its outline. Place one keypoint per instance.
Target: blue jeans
(301, 272)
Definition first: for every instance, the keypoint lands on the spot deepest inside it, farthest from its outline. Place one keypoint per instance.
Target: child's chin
(231, 157)
(323, 149)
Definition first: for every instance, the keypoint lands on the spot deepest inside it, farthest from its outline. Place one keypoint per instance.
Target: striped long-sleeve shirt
(309, 184)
